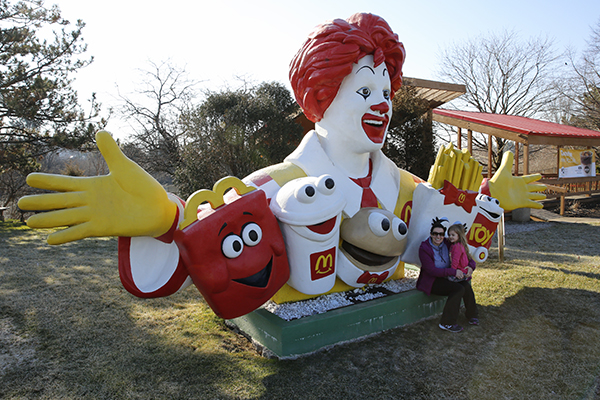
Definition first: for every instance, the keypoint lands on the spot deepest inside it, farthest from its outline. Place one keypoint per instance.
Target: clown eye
(364, 92)
(386, 94)
(232, 246)
(399, 228)
(379, 224)
(252, 234)
(306, 193)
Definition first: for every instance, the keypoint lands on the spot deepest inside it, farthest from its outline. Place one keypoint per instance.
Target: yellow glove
(126, 202)
(515, 191)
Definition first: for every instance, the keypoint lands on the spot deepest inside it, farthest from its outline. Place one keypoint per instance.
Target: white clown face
(359, 116)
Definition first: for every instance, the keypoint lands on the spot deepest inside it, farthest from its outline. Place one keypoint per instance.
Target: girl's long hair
(462, 238)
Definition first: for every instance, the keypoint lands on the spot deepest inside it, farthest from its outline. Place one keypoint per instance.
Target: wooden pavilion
(525, 132)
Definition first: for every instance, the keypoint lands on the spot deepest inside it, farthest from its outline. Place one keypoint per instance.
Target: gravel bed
(321, 304)
(511, 227)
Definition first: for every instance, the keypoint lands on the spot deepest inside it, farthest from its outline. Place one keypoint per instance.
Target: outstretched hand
(126, 202)
(515, 191)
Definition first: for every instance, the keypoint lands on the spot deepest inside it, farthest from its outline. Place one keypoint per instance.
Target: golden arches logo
(324, 264)
(214, 197)
(406, 212)
(462, 197)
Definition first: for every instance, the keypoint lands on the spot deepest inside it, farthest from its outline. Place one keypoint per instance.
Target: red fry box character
(233, 250)
(481, 231)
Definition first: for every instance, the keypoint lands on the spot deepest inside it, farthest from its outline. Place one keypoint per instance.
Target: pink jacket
(458, 257)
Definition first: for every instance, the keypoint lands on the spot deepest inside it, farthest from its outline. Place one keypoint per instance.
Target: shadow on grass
(561, 243)
(541, 343)
(566, 271)
(69, 330)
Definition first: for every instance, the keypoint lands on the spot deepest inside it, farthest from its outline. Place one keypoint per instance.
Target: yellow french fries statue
(126, 202)
(464, 172)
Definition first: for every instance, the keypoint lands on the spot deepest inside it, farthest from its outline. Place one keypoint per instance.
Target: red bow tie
(369, 278)
(462, 198)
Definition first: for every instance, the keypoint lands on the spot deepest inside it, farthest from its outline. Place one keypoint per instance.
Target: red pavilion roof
(520, 125)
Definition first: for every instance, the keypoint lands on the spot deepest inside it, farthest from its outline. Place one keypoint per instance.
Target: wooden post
(525, 158)
(489, 174)
(459, 139)
(501, 238)
(562, 205)
(588, 185)
(470, 141)
(516, 158)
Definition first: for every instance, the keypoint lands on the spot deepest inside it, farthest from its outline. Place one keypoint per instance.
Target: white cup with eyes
(309, 211)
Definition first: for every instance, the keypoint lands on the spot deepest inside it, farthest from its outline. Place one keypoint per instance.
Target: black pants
(455, 292)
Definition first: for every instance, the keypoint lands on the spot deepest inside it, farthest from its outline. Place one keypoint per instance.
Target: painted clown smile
(259, 279)
(375, 126)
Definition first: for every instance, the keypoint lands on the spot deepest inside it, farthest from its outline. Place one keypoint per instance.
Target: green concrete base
(289, 339)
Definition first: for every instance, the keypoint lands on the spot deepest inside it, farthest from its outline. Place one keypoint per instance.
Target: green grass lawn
(68, 330)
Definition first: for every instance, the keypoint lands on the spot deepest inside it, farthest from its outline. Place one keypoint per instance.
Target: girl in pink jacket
(459, 251)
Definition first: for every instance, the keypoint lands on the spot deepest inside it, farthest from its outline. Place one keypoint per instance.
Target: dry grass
(68, 330)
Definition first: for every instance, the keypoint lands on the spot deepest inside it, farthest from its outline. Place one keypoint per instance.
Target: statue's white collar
(385, 182)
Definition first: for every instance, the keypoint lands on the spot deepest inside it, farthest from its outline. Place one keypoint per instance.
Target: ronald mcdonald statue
(335, 215)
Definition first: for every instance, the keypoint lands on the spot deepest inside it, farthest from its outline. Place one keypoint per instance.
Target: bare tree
(164, 92)
(584, 84)
(581, 96)
(503, 75)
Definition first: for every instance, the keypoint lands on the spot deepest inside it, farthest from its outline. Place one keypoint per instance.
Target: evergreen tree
(39, 110)
(236, 132)
(410, 142)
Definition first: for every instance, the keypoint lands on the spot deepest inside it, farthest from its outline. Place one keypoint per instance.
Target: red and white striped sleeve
(152, 267)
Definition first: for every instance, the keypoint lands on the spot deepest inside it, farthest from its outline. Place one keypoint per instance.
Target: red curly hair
(320, 66)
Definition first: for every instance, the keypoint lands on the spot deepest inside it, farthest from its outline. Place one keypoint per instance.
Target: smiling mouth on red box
(259, 279)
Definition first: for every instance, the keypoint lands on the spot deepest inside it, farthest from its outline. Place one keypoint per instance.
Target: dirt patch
(16, 349)
(578, 208)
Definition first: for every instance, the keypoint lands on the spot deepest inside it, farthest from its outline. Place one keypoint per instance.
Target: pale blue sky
(217, 40)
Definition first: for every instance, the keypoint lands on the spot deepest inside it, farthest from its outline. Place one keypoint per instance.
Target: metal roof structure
(519, 129)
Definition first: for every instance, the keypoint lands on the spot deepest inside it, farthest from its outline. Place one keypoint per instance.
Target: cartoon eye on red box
(233, 250)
